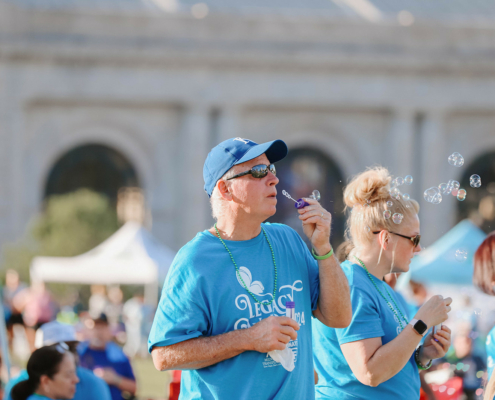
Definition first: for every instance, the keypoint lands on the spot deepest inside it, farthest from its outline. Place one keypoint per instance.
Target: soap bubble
(367, 229)
(442, 187)
(397, 218)
(390, 203)
(455, 192)
(433, 195)
(461, 255)
(315, 195)
(477, 311)
(456, 160)
(475, 181)
(461, 195)
(393, 184)
(400, 180)
(387, 214)
(395, 193)
(406, 197)
(452, 186)
(368, 201)
(408, 180)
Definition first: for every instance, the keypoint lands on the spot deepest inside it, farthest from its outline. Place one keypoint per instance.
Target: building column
(228, 123)
(190, 200)
(399, 152)
(436, 219)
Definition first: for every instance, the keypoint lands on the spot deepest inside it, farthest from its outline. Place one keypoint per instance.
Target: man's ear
(224, 190)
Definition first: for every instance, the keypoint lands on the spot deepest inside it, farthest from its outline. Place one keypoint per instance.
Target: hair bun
(371, 185)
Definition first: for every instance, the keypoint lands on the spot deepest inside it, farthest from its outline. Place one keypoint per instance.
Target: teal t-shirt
(371, 317)
(202, 296)
(490, 352)
(38, 397)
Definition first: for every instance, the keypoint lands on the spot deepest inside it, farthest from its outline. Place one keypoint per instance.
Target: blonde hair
(366, 197)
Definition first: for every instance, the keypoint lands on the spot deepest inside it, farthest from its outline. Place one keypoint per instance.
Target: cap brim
(275, 151)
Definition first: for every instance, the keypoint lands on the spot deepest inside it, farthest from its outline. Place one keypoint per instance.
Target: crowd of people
(249, 312)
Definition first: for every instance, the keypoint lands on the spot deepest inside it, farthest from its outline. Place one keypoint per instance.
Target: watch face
(420, 327)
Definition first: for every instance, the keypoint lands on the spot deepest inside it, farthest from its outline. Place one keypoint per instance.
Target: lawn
(152, 384)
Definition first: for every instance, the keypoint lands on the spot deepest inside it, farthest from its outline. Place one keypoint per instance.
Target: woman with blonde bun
(378, 355)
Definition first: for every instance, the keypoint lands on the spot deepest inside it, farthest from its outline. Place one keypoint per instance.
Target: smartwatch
(419, 326)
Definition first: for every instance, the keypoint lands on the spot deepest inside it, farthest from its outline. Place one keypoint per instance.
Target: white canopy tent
(130, 256)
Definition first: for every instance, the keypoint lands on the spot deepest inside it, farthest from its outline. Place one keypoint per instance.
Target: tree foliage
(69, 225)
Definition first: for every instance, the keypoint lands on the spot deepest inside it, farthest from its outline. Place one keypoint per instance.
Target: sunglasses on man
(414, 239)
(258, 171)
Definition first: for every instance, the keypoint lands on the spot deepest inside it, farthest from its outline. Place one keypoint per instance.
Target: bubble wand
(301, 203)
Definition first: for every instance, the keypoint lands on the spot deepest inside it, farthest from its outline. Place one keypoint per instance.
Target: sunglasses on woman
(258, 171)
(414, 239)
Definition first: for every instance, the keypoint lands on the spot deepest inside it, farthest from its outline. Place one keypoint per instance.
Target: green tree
(69, 225)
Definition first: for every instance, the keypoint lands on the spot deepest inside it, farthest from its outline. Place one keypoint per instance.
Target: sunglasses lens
(417, 240)
(259, 171)
(272, 169)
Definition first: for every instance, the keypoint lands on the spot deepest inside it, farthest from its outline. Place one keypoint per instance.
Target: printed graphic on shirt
(255, 312)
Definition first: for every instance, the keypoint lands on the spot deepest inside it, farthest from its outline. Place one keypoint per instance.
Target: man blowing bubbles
(224, 300)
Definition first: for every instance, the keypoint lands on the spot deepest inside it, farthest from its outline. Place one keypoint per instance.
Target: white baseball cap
(54, 332)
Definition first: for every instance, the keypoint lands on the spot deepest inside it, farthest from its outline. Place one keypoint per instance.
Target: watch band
(413, 323)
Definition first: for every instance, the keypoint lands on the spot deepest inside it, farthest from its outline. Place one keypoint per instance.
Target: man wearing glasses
(226, 295)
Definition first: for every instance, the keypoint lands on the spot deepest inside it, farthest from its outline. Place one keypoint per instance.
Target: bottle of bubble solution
(286, 356)
(435, 329)
(290, 309)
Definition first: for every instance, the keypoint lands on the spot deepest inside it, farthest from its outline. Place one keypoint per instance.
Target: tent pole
(151, 294)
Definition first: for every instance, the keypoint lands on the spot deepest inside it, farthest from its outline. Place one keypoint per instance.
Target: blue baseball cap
(236, 151)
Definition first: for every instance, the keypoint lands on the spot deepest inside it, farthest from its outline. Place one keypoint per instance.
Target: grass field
(151, 383)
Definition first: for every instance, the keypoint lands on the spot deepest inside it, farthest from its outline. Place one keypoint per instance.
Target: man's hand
(272, 333)
(316, 225)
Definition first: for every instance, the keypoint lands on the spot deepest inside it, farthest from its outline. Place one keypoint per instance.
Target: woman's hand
(432, 348)
(434, 311)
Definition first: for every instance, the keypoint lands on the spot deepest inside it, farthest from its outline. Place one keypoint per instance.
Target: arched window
(480, 202)
(301, 172)
(91, 166)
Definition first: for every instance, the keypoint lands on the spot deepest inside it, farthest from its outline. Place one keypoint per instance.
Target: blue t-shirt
(112, 357)
(371, 318)
(202, 296)
(88, 387)
(490, 352)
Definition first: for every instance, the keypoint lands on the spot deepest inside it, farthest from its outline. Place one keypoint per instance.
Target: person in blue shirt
(484, 279)
(51, 375)
(222, 315)
(377, 355)
(107, 360)
(89, 385)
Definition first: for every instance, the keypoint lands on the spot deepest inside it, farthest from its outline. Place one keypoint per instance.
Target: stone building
(112, 93)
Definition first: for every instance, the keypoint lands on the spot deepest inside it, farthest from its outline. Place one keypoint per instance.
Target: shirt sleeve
(366, 322)
(126, 370)
(183, 311)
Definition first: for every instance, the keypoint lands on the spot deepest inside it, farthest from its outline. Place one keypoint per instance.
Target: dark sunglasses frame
(414, 239)
(257, 171)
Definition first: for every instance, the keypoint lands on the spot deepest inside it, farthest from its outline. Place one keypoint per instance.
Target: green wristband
(328, 255)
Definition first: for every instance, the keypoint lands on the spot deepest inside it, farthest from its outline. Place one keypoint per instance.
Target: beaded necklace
(264, 303)
(389, 295)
